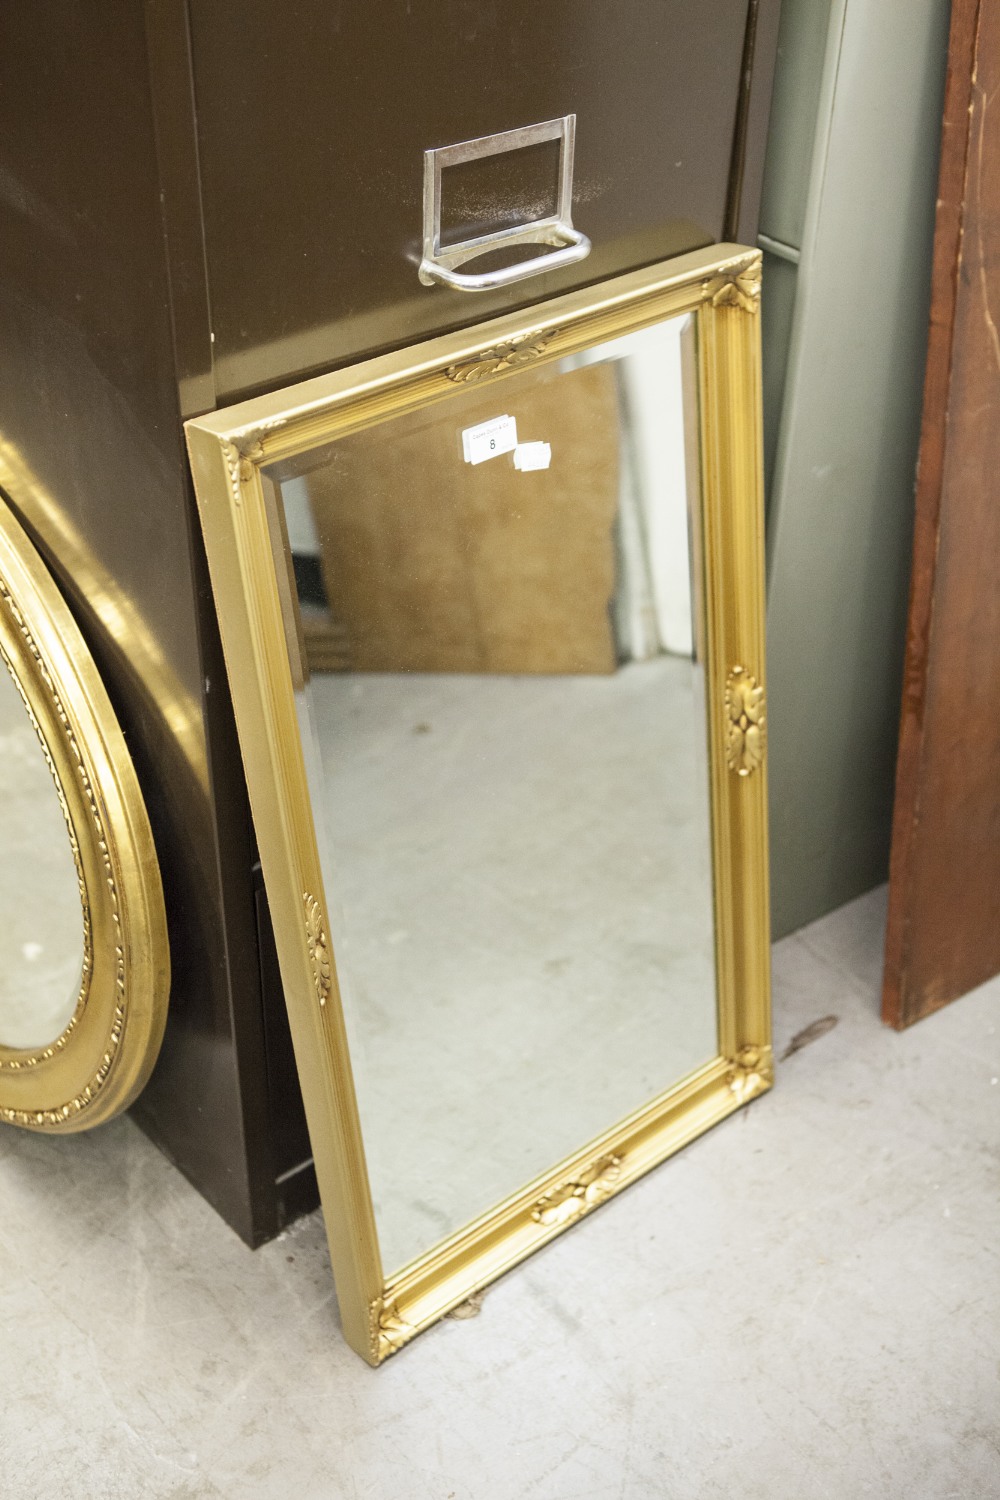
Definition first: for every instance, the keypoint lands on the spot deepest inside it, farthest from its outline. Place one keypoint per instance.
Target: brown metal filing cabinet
(200, 200)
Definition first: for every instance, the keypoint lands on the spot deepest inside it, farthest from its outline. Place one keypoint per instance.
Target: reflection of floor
(41, 921)
(523, 870)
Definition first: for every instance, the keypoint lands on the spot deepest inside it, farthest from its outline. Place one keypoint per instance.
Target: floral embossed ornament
(506, 356)
(571, 1199)
(319, 948)
(745, 721)
(751, 1071)
(740, 289)
(389, 1331)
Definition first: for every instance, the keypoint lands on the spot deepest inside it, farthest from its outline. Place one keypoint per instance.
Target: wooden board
(943, 934)
(432, 564)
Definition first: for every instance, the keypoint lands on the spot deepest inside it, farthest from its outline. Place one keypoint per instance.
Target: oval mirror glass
(42, 945)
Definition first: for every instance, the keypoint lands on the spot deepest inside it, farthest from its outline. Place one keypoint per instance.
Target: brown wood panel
(434, 565)
(943, 934)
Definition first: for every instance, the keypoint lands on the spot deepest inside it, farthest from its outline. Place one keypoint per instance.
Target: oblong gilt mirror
(84, 965)
(493, 619)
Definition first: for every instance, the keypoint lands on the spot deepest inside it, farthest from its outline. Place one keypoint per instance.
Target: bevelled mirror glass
(492, 616)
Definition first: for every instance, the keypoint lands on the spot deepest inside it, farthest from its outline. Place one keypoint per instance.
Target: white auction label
(529, 456)
(489, 439)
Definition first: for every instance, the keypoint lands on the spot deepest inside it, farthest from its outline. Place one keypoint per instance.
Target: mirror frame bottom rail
(229, 452)
(468, 1261)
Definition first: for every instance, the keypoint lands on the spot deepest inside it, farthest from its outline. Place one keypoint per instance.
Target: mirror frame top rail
(230, 451)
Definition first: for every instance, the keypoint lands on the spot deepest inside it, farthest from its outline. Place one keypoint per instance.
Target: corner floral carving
(571, 1199)
(319, 948)
(506, 356)
(244, 451)
(249, 455)
(737, 287)
(751, 1071)
(389, 1331)
(746, 722)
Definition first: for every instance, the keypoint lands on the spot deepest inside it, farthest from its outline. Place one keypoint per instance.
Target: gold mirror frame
(721, 288)
(105, 1054)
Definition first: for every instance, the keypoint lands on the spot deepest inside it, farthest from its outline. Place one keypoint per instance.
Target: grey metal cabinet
(847, 225)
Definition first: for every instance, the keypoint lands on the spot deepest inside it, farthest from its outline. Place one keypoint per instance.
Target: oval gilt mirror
(84, 966)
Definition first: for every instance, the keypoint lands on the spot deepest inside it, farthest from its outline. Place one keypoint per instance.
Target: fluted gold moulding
(720, 287)
(105, 1054)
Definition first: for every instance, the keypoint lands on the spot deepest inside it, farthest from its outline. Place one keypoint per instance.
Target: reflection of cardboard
(434, 565)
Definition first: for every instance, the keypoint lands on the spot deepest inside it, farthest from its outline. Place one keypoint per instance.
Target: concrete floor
(804, 1304)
